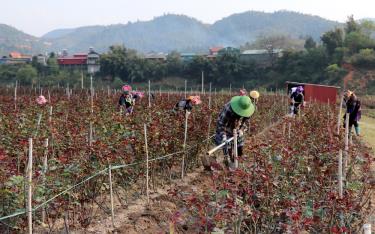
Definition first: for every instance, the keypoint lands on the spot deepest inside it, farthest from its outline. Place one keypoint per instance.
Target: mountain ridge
(183, 33)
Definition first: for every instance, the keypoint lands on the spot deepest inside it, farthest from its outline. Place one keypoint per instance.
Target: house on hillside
(187, 57)
(261, 57)
(16, 58)
(156, 57)
(78, 61)
(215, 50)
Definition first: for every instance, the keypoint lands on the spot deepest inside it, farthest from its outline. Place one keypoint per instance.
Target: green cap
(242, 106)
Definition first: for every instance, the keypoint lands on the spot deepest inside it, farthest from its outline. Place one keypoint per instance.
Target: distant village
(82, 60)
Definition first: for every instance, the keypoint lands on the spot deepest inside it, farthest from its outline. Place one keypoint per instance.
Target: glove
(224, 139)
(240, 133)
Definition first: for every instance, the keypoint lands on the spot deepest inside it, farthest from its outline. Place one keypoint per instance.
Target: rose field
(95, 170)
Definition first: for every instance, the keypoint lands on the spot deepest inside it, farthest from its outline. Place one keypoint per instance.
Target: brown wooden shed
(320, 93)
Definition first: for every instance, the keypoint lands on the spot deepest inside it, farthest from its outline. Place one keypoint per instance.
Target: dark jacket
(228, 120)
(184, 105)
(353, 107)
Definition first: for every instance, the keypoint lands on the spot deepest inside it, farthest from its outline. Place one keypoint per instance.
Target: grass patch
(367, 125)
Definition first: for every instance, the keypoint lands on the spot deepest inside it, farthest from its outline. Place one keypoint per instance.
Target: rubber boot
(357, 130)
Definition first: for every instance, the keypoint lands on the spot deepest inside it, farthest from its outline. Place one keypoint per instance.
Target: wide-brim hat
(242, 106)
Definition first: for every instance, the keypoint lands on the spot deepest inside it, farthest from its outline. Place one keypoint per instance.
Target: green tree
(309, 43)
(332, 39)
(351, 25)
(27, 75)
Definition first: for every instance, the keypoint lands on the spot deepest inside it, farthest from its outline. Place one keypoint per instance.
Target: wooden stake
(44, 172)
(289, 129)
(147, 168)
(111, 194)
(30, 188)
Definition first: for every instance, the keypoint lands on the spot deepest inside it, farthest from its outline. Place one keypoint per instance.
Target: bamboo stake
(81, 79)
(44, 172)
(230, 89)
(346, 155)
(92, 95)
(340, 174)
(185, 89)
(30, 189)
(147, 166)
(149, 93)
(202, 83)
(209, 99)
(235, 149)
(289, 129)
(184, 146)
(339, 117)
(111, 194)
(15, 96)
(90, 136)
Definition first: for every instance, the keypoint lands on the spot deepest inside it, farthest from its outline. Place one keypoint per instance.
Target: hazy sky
(37, 17)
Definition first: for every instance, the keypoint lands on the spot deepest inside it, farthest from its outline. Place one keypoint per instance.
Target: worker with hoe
(353, 108)
(187, 104)
(126, 100)
(296, 100)
(234, 115)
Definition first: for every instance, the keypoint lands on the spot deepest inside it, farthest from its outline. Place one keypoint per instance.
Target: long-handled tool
(219, 146)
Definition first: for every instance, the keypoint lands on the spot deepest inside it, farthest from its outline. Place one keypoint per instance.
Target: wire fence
(95, 175)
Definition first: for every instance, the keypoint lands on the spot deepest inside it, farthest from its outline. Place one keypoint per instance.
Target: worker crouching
(187, 104)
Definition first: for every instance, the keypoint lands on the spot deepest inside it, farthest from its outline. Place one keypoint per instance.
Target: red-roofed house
(215, 50)
(78, 60)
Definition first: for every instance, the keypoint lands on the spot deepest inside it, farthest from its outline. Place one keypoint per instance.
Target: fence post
(111, 194)
(147, 168)
(30, 189)
(184, 145)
